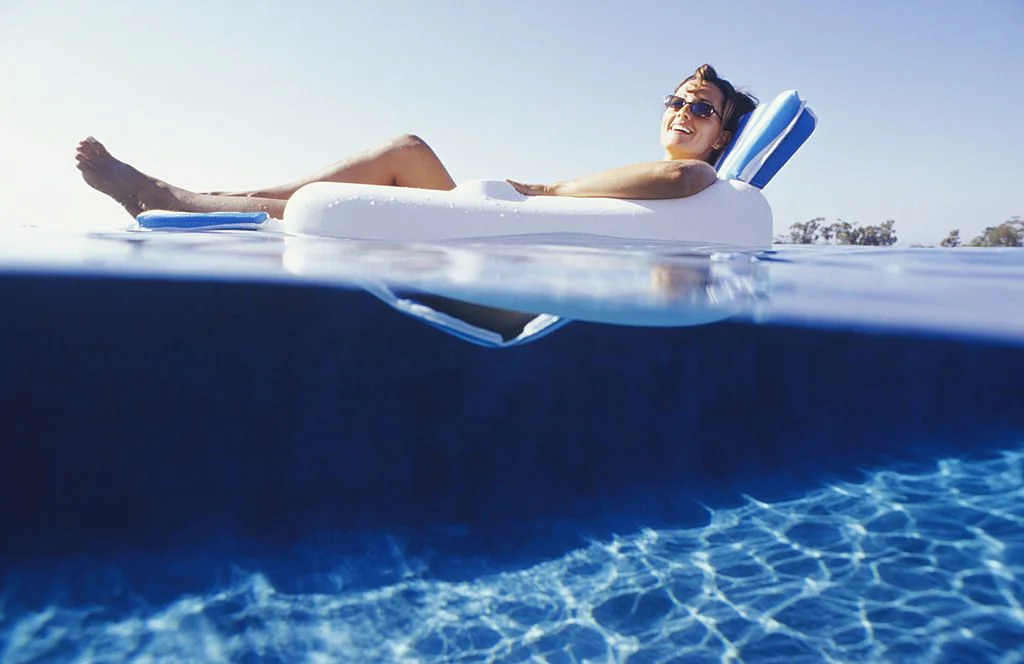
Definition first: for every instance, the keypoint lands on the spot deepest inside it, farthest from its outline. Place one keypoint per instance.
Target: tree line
(1010, 233)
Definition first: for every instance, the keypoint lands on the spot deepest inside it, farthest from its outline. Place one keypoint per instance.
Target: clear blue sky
(919, 103)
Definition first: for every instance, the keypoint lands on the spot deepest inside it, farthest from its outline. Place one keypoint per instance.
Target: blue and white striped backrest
(766, 139)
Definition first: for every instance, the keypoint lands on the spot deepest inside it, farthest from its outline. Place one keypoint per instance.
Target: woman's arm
(656, 179)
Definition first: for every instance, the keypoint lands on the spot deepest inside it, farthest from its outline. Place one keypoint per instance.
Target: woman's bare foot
(133, 189)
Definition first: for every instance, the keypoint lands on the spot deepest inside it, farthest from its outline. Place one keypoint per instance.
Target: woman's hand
(534, 189)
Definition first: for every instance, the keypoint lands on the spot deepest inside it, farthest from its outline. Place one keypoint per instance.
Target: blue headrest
(766, 138)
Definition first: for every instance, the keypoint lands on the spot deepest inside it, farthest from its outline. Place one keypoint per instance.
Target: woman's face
(685, 135)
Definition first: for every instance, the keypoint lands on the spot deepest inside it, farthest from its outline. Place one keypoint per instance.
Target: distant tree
(1010, 233)
(841, 232)
(883, 235)
(953, 239)
(807, 232)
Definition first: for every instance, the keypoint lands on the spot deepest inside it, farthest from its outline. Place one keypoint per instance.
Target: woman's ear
(723, 140)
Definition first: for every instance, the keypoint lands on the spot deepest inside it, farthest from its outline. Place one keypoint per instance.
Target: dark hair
(737, 103)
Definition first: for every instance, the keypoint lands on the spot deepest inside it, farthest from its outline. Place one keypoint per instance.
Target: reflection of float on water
(638, 286)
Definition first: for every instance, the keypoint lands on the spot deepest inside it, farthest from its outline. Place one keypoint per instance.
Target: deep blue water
(901, 566)
(220, 471)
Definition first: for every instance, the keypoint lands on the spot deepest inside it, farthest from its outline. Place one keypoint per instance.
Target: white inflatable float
(729, 212)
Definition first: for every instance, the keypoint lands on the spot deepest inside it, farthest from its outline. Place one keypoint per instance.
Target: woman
(699, 121)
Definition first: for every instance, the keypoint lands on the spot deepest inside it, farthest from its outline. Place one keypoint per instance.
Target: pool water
(238, 470)
(902, 566)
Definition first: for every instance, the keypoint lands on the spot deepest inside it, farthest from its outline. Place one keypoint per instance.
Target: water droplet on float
(373, 202)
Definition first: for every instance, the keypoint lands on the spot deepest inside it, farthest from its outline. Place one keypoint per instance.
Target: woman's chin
(678, 147)
(676, 153)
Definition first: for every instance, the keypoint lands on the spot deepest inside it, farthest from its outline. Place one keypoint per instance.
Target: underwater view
(832, 471)
(902, 566)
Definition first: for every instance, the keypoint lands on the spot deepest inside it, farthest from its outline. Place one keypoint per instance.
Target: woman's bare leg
(406, 161)
(138, 192)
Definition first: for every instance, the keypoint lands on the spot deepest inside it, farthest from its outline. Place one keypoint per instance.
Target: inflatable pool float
(728, 212)
(731, 212)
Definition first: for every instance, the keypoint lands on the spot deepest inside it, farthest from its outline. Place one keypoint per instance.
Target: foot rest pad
(165, 220)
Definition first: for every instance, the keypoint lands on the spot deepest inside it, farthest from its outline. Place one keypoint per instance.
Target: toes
(84, 151)
(91, 147)
(86, 161)
(98, 147)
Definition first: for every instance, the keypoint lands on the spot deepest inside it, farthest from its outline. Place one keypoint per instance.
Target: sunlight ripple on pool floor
(901, 567)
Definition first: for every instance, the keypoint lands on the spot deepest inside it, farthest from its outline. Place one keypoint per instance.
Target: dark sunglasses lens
(702, 109)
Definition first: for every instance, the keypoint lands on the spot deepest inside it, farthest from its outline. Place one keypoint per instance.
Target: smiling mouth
(680, 129)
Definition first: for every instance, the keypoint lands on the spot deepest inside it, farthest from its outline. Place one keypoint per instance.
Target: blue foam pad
(766, 139)
(188, 221)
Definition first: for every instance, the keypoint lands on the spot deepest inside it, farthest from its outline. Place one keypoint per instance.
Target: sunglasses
(702, 109)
